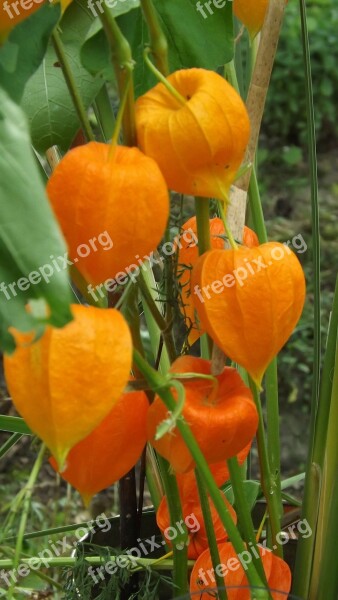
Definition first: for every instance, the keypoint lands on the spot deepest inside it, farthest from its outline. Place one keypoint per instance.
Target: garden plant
(143, 307)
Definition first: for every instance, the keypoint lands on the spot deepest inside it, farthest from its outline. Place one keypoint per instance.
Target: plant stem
(72, 87)
(243, 512)
(28, 491)
(209, 526)
(158, 317)
(104, 113)
(180, 99)
(269, 485)
(180, 548)
(203, 224)
(159, 385)
(123, 65)
(9, 444)
(158, 42)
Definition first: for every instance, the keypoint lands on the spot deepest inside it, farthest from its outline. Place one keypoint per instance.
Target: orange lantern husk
(251, 13)
(64, 384)
(110, 450)
(193, 518)
(221, 415)
(186, 259)
(116, 196)
(249, 301)
(202, 577)
(199, 145)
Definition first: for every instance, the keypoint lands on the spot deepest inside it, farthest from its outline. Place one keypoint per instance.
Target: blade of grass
(14, 425)
(312, 481)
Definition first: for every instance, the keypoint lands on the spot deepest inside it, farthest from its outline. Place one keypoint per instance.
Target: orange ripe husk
(111, 450)
(249, 301)
(113, 201)
(223, 418)
(251, 13)
(202, 577)
(187, 481)
(250, 239)
(187, 257)
(193, 517)
(64, 384)
(199, 146)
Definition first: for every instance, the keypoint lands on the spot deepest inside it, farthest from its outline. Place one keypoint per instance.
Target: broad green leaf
(14, 425)
(197, 39)
(46, 101)
(29, 236)
(25, 48)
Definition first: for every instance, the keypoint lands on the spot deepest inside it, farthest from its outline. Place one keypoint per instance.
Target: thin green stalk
(159, 385)
(158, 317)
(62, 562)
(104, 113)
(123, 64)
(311, 493)
(179, 544)
(72, 87)
(158, 41)
(203, 224)
(227, 229)
(9, 444)
(268, 480)
(29, 488)
(243, 513)
(180, 99)
(153, 328)
(212, 542)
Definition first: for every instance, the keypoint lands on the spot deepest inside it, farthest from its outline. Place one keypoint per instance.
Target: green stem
(243, 513)
(228, 232)
(25, 511)
(212, 542)
(123, 64)
(158, 41)
(72, 87)
(268, 481)
(311, 502)
(9, 444)
(203, 224)
(180, 99)
(122, 108)
(104, 113)
(180, 548)
(165, 565)
(159, 385)
(158, 317)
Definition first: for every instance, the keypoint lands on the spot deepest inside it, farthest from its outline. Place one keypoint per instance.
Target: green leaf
(29, 235)
(25, 48)
(196, 40)
(46, 101)
(14, 425)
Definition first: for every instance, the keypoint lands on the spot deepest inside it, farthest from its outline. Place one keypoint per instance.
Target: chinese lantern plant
(65, 383)
(221, 414)
(110, 450)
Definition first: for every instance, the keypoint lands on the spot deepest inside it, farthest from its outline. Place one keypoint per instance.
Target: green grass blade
(313, 474)
(9, 444)
(14, 425)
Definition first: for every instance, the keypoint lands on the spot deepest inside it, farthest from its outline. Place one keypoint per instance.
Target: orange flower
(199, 145)
(249, 300)
(193, 518)
(112, 207)
(277, 573)
(187, 257)
(64, 384)
(251, 13)
(111, 450)
(223, 418)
